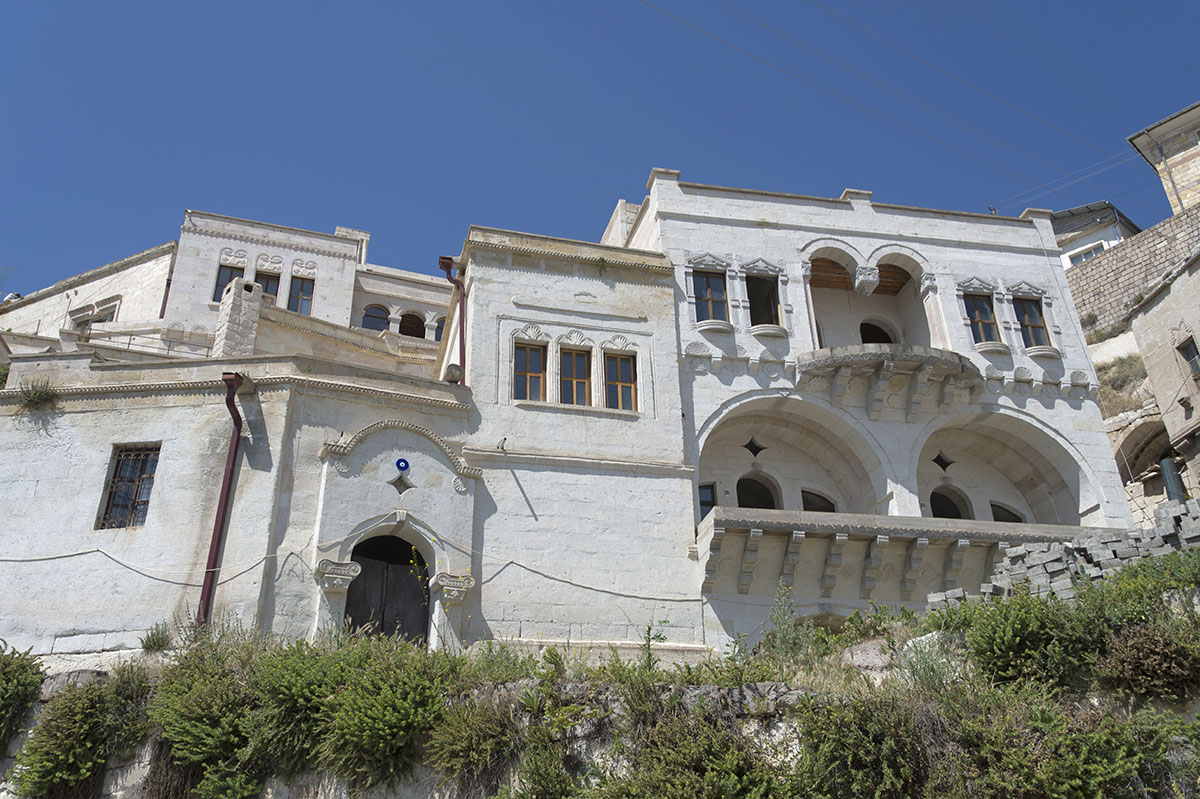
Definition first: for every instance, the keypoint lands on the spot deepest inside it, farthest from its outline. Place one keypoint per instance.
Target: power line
(853, 102)
(926, 107)
(961, 80)
(1094, 169)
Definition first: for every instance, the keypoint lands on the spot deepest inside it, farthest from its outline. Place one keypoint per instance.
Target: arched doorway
(945, 503)
(391, 595)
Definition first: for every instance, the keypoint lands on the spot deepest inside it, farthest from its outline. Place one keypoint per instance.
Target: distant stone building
(1137, 299)
(1088, 230)
(864, 400)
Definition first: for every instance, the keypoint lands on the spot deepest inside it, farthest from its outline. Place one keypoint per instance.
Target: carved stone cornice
(343, 448)
(189, 227)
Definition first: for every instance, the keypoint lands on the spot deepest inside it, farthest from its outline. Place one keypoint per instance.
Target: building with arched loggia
(734, 388)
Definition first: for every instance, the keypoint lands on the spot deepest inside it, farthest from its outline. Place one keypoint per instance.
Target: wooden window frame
(574, 380)
(977, 325)
(230, 274)
(297, 298)
(262, 278)
(706, 305)
(1191, 363)
(523, 377)
(1028, 330)
(612, 381)
(120, 484)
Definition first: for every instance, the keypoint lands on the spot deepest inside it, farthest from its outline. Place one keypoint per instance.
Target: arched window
(946, 504)
(441, 328)
(1003, 514)
(816, 503)
(375, 317)
(753, 493)
(412, 325)
(874, 334)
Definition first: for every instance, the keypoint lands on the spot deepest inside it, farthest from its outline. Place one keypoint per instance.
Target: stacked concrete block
(1056, 568)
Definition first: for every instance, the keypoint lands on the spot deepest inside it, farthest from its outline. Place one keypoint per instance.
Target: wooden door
(391, 595)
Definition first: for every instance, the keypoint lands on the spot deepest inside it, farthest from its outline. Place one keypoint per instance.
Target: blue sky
(414, 120)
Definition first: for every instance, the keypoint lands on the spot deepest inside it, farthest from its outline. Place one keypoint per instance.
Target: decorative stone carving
(708, 261)
(866, 278)
(530, 332)
(975, 285)
(575, 338)
(1023, 289)
(265, 262)
(698, 349)
(232, 257)
(749, 561)
(304, 268)
(928, 283)
(761, 266)
(833, 562)
(618, 342)
(336, 577)
(454, 587)
(341, 466)
(806, 270)
(459, 486)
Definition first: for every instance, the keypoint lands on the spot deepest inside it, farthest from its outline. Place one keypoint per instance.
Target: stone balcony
(836, 563)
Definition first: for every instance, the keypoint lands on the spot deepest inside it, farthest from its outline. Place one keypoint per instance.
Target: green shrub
(1025, 637)
(790, 638)
(543, 773)
(157, 638)
(203, 704)
(20, 680)
(473, 744)
(80, 728)
(374, 722)
(37, 395)
(1147, 661)
(859, 748)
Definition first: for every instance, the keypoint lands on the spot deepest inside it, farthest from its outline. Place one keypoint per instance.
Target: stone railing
(846, 561)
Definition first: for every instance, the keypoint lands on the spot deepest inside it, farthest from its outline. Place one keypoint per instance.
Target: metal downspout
(233, 382)
(446, 264)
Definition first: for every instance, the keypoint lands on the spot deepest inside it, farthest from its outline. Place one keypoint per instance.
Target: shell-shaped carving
(976, 285)
(761, 266)
(1079, 378)
(618, 342)
(1025, 289)
(708, 260)
(1022, 374)
(575, 338)
(699, 349)
(530, 332)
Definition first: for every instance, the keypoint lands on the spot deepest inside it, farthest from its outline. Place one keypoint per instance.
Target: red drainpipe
(233, 381)
(446, 264)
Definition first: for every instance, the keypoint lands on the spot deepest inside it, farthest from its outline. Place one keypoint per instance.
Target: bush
(1146, 661)
(203, 705)
(20, 680)
(687, 756)
(373, 724)
(1026, 637)
(543, 773)
(38, 395)
(157, 638)
(473, 744)
(81, 727)
(859, 748)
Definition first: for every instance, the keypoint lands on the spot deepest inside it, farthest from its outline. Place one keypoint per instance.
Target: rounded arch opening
(755, 492)
(871, 333)
(391, 594)
(817, 503)
(412, 325)
(375, 317)
(439, 329)
(948, 503)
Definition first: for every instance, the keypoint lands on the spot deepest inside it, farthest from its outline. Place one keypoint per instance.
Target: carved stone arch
(343, 448)
(834, 249)
(707, 260)
(619, 342)
(880, 253)
(399, 523)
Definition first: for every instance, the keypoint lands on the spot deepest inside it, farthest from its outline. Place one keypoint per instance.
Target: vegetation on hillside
(1119, 381)
(1023, 697)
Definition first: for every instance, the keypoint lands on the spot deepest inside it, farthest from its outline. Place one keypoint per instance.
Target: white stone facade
(538, 520)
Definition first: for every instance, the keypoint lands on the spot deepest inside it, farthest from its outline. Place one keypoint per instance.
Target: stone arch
(805, 446)
(343, 448)
(412, 324)
(1000, 456)
(902, 256)
(836, 250)
(1140, 446)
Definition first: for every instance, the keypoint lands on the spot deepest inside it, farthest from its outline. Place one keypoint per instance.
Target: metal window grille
(127, 496)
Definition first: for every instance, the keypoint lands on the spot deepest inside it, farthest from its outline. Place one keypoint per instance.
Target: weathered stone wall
(1107, 284)
(1046, 568)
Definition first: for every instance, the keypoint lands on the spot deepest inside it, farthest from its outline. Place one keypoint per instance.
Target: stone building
(1133, 299)
(561, 441)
